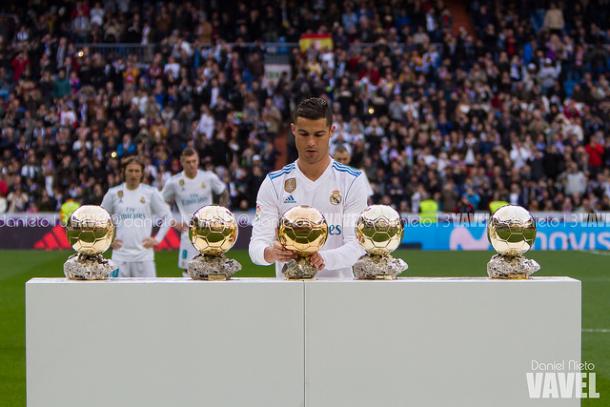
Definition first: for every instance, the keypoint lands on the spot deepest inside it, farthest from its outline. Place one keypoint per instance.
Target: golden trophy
(379, 232)
(212, 231)
(304, 231)
(90, 232)
(512, 232)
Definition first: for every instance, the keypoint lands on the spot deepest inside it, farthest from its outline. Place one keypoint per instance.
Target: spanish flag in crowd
(318, 41)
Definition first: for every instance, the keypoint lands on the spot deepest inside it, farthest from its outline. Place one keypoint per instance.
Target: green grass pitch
(592, 269)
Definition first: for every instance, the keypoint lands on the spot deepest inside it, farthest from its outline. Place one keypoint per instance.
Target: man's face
(312, 138)
(342, 157)
(133, 174)
(190, 163)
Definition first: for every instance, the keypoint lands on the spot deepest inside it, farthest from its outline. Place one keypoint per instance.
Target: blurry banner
(318, 41)
(273, 73)
(551, 236)
(43, 231)
(556, 231)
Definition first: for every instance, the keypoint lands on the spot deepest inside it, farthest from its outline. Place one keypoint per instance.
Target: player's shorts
(186, 252)
(137, 269)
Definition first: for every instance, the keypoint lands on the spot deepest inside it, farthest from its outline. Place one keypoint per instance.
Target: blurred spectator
(515, 111)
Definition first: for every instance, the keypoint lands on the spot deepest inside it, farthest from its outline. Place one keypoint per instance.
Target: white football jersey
(191, 194)
(132, 212)
(339, 194)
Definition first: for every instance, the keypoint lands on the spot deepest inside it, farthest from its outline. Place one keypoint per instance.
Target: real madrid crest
(203, 185)
(290, 185)
(120, 195)
(335, 197)
(181, 183)
(142, 200)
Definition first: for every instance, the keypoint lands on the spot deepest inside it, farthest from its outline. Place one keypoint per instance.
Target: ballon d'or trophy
(379, 232)
(512, 232)
(212, 231)
(304, 231)
(90, 232)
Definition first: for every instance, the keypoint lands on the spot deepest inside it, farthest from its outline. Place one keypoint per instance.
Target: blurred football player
(132, 205)
(315, 179)
(190, 190)
(343, 155)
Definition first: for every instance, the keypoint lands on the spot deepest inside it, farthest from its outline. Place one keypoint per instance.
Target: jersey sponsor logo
(334, 230)
(192, 199)
(335, 197)
(290, 185)
(290, 199)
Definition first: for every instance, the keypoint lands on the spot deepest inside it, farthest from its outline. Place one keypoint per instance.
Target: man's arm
(108, 204)
(264, 248)
(219, 188)
(160, 208)
(223, 198)
(169, 195)
(346, 255)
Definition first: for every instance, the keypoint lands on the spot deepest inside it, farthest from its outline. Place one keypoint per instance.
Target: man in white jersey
(314, 179)
(132, 206)
(190, 190)
(343, 155)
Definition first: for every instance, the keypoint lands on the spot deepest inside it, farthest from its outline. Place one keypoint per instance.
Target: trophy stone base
(299, 269)
(372, 267)
(212, 267)
(514, 267)
(88, 267)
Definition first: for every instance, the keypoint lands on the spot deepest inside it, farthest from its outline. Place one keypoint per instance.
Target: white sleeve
(168, 192)
(107, 203)
(265, 222)
(160, 208)
(217, 185)
(346, 255)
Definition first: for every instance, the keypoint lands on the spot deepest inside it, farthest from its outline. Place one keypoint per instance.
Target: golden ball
(512, 230)
(303, 229)
(90, 230)
(213, 230)
(379, 230)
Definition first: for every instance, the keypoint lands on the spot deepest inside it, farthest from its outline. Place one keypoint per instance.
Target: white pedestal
(436, 342)
(262, 342)
(166, 342)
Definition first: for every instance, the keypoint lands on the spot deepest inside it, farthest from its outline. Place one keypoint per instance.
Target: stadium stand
(514, 107)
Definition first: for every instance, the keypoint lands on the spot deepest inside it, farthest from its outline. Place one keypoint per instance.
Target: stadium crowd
(515, 108)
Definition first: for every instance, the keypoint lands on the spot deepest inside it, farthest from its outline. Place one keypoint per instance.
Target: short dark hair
(188, 152)
(314, 109)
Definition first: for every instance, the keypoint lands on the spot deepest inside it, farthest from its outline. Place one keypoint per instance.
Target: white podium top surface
(402, 280)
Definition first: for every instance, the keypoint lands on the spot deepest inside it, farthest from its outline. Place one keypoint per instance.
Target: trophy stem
(81, 266)
(212, 268)
(299, 269)
(378, 267)
(511, 267)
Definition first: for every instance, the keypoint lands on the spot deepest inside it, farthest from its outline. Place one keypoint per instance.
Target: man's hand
(149, 242)
(116, 244)
(277, 253)
(317, 261)
(181, 226)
